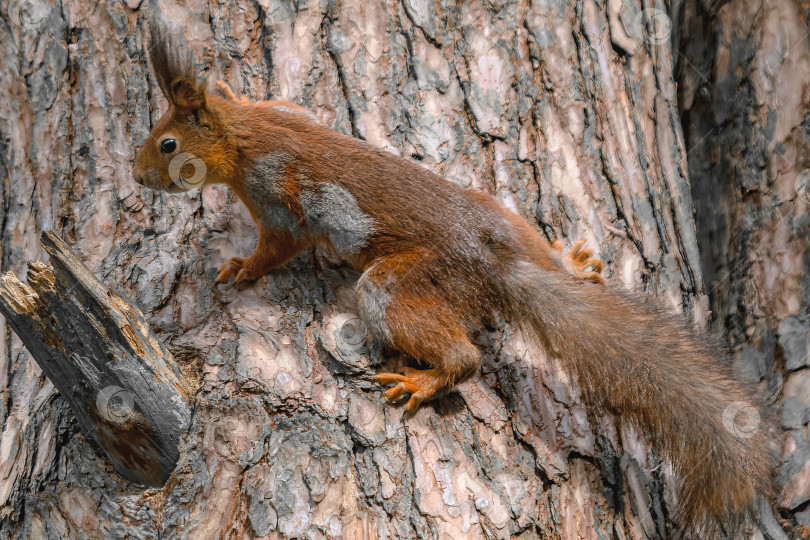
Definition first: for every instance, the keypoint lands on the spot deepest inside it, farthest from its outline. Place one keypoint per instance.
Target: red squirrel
(438, 261)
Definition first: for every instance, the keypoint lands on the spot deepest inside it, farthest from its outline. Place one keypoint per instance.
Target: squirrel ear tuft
(173, 63)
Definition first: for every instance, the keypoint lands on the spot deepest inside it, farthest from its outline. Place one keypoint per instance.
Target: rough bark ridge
(743, 69)
(565, 111)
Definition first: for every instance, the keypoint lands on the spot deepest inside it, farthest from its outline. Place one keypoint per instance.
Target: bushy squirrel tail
(636, 361)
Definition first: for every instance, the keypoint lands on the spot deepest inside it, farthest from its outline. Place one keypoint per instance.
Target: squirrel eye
(167, 146)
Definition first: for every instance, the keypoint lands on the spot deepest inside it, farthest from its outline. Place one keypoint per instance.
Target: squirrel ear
(173, 64)
(187, 95)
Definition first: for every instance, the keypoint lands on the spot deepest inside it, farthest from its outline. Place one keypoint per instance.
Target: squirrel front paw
(579, 258)
(234, 267)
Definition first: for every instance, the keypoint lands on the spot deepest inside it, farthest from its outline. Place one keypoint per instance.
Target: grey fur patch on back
(329, 210)
(332, 211)
(261, 185)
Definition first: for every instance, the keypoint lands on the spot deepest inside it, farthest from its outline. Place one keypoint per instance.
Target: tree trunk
(565, 111)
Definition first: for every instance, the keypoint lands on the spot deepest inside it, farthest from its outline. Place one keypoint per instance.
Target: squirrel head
(188, 146)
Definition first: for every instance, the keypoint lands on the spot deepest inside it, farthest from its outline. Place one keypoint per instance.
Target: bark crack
(343, 84)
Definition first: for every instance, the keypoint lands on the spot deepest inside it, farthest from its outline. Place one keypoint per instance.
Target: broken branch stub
(123, 386)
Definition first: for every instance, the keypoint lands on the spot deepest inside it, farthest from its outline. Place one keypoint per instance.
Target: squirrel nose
(138, 177)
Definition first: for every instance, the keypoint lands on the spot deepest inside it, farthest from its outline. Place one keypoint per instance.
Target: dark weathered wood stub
(122, 384)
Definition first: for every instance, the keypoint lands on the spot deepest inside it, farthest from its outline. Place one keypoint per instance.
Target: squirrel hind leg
(425, 328)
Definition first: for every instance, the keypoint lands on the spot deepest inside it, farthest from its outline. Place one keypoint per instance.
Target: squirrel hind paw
(578, 259)
(229, 93)
(419, 384)
(226, 89)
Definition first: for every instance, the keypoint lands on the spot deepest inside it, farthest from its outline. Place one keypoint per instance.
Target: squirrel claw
(395, 392)
(243, 275)
(579, 258)
(413, 404)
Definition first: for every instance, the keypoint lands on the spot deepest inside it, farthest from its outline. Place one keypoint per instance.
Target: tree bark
(743, 70)
(565, 111)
